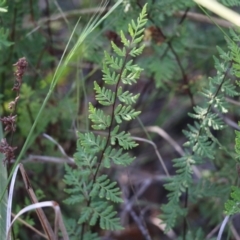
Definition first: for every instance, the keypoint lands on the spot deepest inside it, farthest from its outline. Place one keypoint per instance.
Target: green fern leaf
(131, 29)
(117, 50)
(102, 211)
(73, 199)
(170, 216)
(127, 97)
(83, 158)
(104, 188)
(229, 89)
(125, 113)
(85, 214)
(192, 134)
(91, 142)
(117, 156)
(232, 206)
(115, 63)
(136, 51)
(132, 76)
(104, 96)
(124, 40)
(220, 103)
(108, 77)
(124, 139)
(213, 120)
(98, 117)
(201, 112)
(204, 147)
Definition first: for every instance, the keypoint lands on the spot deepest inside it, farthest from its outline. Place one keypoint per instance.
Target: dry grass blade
(30, 227)
(45, 223)
(59, 147)
(10, 197)
(39, 158)
(50, 234)
(41, 215)
(37, 206)
(156, 151)
(167, 137)
(220, 10)
(173, 143)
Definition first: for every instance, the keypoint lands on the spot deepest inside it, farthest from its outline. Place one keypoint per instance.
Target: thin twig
(156, 151)
(59, 147)
(39, 158)
(143, 229)
(30, 227)
(173, 143)
(203, 18)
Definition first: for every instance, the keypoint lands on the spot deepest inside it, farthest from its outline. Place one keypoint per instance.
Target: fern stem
(185, 218)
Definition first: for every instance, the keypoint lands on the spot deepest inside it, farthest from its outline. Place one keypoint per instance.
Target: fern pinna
(95, 192)
(202, 144)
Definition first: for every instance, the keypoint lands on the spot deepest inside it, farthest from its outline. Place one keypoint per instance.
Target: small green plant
(87, 186)
(202, 144)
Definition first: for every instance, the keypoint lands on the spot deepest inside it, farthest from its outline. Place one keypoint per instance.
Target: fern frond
(200, 138)
(94, 151)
